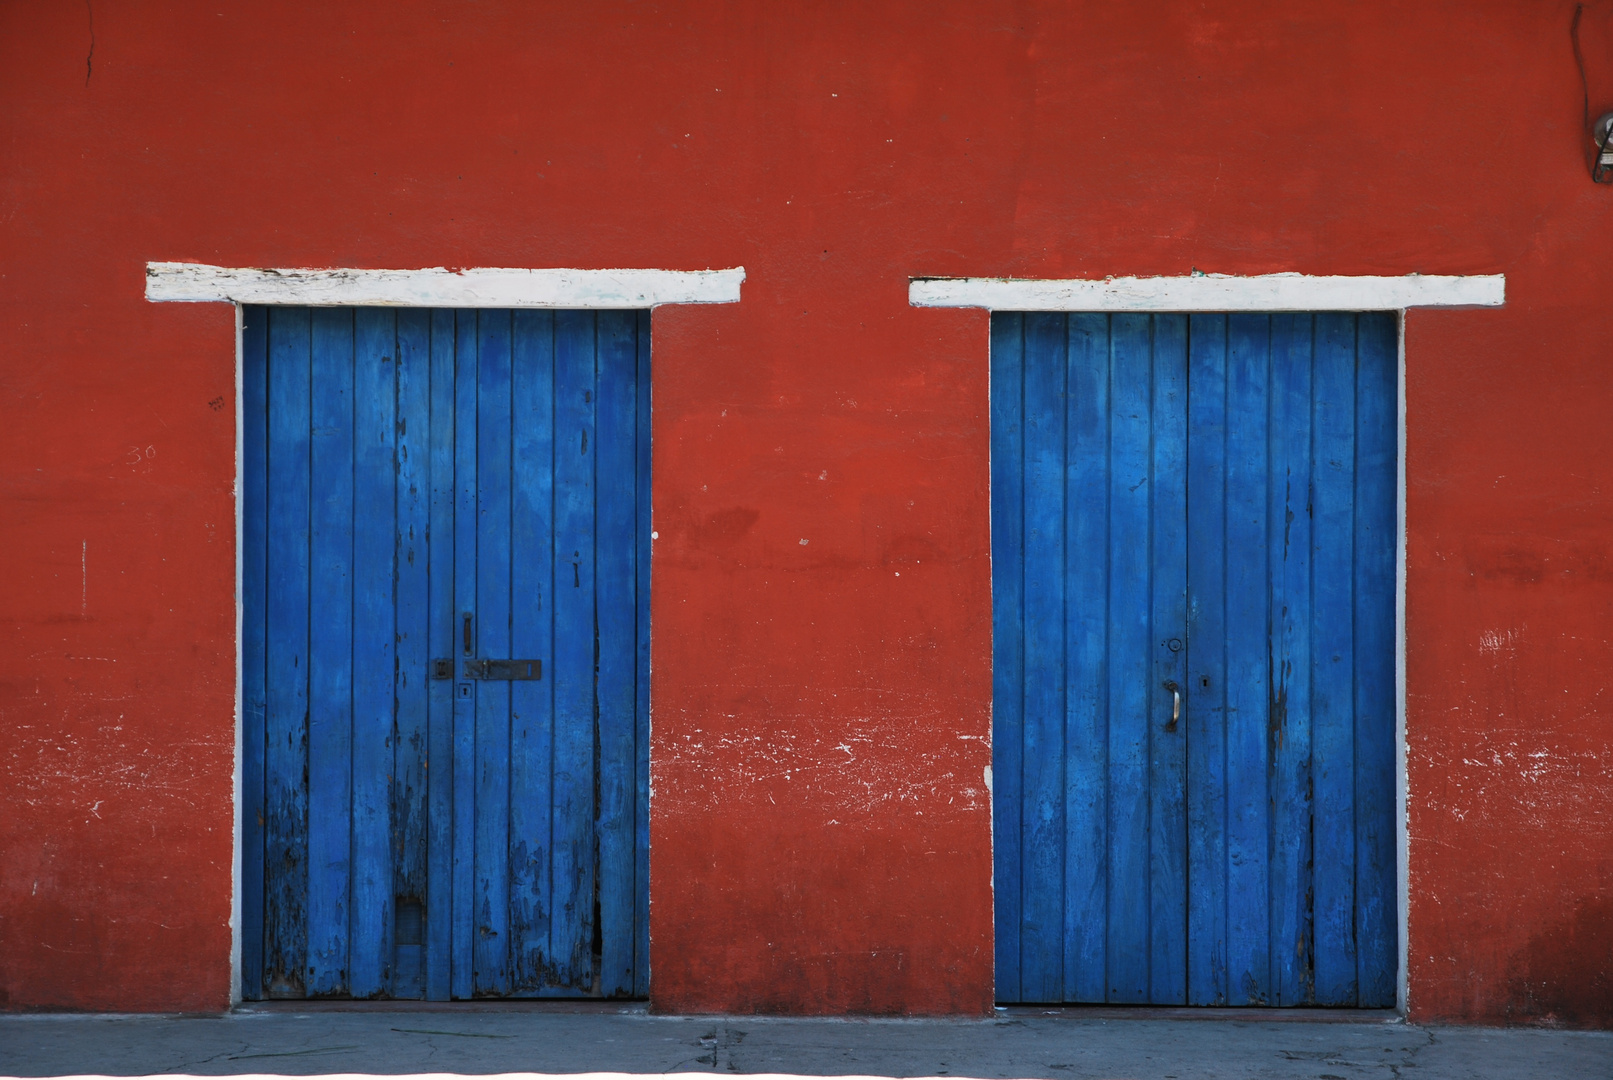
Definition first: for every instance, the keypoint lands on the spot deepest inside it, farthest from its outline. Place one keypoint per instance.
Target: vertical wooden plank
(616, 417)
(330, 667)
(531, 637)
(1041, 950)
(285, 828)
(1333, 658)
(1131, 647)
(441, 619)
(463, 645)
(1008, 661)
(1376, 537)
(491, 896)
(254, 630)
(1167, 738)
(1248, 668)
(1205, 716)
(1086, 738)
(641, 599)
(1289, 722)
(572, 928)
(374, 642)
(411, 678)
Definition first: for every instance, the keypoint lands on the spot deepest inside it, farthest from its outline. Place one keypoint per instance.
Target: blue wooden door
(445, 651)
(1193, 563)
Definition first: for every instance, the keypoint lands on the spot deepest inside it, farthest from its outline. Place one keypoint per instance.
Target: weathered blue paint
(1248, 668)
(490, 921)
(1205, 725)
(1130, 653)
(532, 591)
(575, 702)
(1332, 771)
(375, 661)
(330, 651)
(1193, 574)
(1288, 720)
(445, 837)
(641, 669)
(463, 646)
(615, 592)
(1377, 408)
(1042, 860)
(412, 689)
(440, 693)
(285, 616)
(1086, 747)
(1167, 738)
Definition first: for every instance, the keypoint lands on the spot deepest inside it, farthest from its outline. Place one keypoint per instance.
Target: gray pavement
(559, 1039)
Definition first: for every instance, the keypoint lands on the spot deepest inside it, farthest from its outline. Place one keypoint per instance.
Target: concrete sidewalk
(1063, 1044)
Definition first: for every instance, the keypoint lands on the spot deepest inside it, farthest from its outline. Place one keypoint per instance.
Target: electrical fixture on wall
(1602, 133)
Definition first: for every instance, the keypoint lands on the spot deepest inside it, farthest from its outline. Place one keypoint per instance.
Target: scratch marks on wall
(79, 767)
(1500, 642)
(883, 759)
(1520, 773)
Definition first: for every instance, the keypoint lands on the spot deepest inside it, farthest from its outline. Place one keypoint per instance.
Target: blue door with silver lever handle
(1193, 558)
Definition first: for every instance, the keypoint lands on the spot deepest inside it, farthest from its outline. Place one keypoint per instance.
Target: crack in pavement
(1411, 1054)
(186, 1065)
(296, 1053)
(678, 1065)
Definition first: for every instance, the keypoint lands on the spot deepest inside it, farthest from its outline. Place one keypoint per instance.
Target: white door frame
(433, 287)
(1196, 293)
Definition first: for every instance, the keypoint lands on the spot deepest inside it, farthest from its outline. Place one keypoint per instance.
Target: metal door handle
(470, 637)
(1176, 703)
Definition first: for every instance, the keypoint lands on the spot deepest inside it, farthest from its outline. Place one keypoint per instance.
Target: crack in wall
(89, 60)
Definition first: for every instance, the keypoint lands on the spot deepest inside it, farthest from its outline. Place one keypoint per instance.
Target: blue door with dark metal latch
(445, 653)
(1193, 560)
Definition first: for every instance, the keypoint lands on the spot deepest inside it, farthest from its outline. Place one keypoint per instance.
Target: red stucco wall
(821, 832)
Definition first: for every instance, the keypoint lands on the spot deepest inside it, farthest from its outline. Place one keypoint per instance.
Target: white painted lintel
(440, 287)
(1213, 292)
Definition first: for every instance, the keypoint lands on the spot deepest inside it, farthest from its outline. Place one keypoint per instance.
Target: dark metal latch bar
(504, 670)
